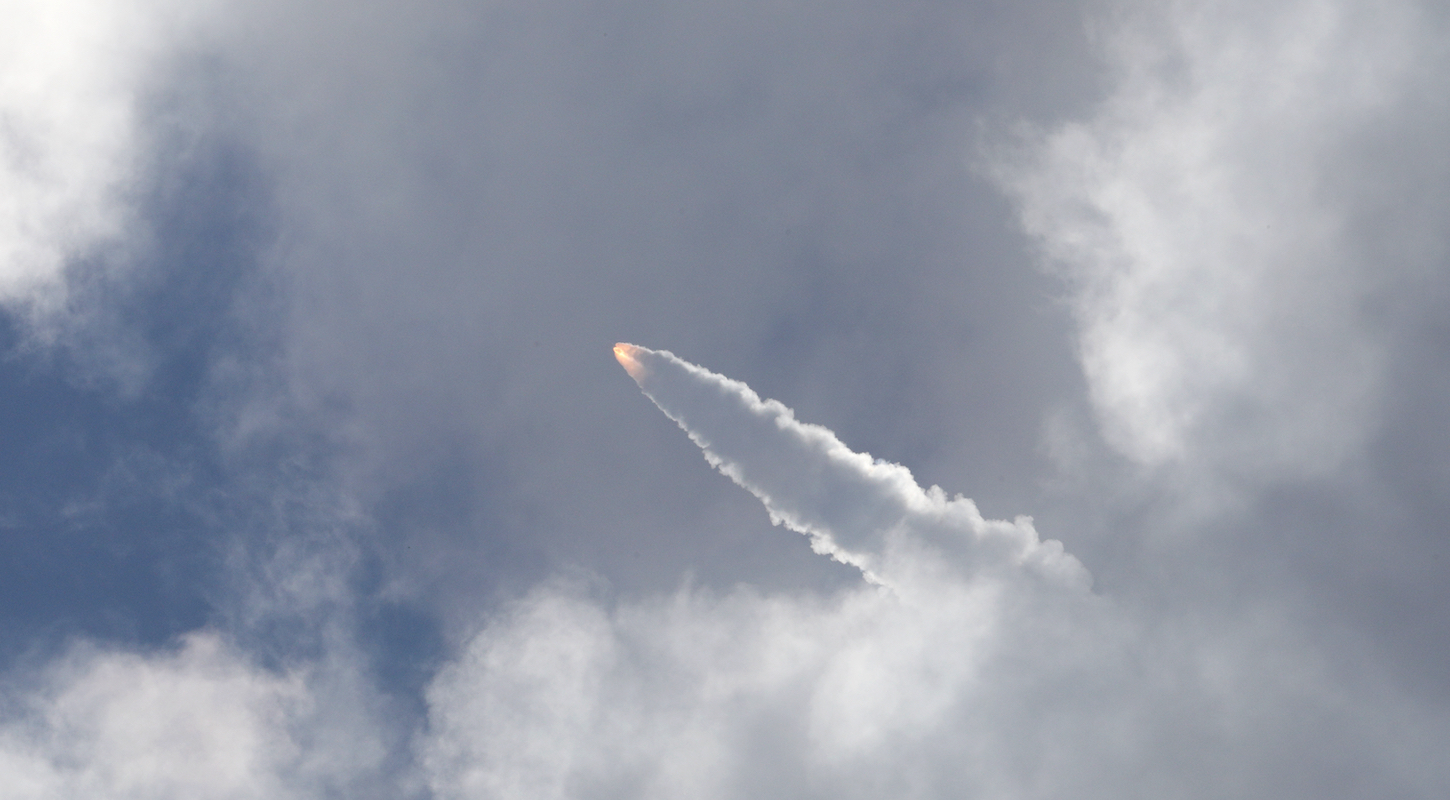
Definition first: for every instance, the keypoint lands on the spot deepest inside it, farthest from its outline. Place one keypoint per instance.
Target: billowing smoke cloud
(974, 663)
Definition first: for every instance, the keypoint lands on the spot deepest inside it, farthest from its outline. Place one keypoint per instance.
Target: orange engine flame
(625, 354)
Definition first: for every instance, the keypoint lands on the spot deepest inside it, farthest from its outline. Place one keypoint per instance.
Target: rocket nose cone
(627, 356)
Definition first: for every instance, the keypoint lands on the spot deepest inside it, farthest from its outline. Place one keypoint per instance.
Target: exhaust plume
(861, 511)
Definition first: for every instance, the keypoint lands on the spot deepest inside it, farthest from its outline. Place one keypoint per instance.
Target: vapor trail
(861, 511)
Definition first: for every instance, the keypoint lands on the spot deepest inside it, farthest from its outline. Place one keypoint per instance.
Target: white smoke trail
(864, 512)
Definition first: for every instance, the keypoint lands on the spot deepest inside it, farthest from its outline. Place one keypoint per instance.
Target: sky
(1072, 381)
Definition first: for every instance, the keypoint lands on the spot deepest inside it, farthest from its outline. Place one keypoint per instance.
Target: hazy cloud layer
(330, 490)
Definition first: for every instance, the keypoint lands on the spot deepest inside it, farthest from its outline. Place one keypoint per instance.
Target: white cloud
(73, 74)
(862, 695)
(1203, 218)
(200, 722)
(195, 723)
